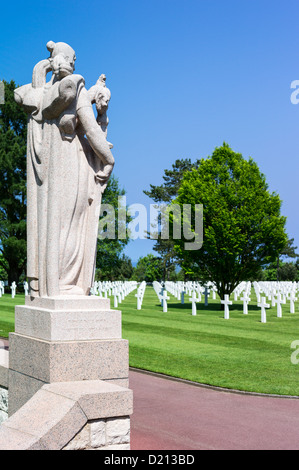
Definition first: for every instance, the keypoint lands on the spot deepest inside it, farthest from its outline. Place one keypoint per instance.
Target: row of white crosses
(176, 289)
(195, 290)
(13, 288)
(244, 289)
(277, 292)
(140, 294)
(157, 288)
(121, 289)
(117, 289)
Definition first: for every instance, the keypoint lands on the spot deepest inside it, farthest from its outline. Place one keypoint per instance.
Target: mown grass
(239, 353)
(7, 313)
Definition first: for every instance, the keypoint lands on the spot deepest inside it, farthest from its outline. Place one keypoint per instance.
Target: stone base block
(69, 302)
(68, 360)
(67, 325)
(65, 339)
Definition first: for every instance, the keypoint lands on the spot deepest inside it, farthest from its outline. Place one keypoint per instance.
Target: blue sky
(185, 76)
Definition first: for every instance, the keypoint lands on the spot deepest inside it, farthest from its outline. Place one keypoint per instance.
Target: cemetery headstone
(263, 305)
(194, 301)
(226, 302)
(164, 301)
(279, 302)
(13, 289)
(245, 299)
(26, 288)
(292, 299)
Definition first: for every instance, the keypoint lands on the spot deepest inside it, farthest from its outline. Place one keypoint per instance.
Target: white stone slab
(80, 302)
(74, 325)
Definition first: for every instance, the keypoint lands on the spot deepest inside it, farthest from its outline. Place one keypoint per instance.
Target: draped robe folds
(63, 195)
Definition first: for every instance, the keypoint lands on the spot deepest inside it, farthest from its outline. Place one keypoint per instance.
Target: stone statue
(69, 162)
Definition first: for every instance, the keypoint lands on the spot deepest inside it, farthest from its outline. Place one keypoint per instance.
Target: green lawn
(7, 313)
(240, 353)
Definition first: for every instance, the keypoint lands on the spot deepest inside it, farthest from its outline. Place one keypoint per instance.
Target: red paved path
(170, 415)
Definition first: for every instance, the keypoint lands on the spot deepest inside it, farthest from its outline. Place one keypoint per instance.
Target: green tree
(13, 130)
(165, 249)
(242, 226)
(126, 269)
(167, 191)
(270, 272)
(149, 268)
(113, 233)
(121, 270)
(288, 272)
(288, 251)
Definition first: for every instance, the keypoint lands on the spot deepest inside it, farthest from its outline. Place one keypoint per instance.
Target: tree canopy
(13, 135)
(113, 235)
(149, 268)
(168, 190)
(242, 226)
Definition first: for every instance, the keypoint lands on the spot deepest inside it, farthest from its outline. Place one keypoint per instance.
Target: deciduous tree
(243, 229)
(113, 233)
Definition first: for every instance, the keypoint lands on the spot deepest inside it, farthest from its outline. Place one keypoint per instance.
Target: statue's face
(63, 64)
(102, 100)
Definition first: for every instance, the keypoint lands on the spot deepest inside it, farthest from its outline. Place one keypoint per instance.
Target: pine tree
(13, 131)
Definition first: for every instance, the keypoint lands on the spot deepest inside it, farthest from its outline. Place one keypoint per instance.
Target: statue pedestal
(65, 339)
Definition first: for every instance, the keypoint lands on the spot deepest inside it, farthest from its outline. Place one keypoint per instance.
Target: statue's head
(62, 59)
(102, 95)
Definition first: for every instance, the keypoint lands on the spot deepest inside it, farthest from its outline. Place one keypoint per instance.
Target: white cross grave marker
(292, 300)
(194, 300)
(26, 288)
(273, 295)
(245, 299)
(164, 301)
(161, 294)
(263, 306)
(214, 293)
(13, 290)
(139, 299)
(278, 302)
(226, 302)
(115, 295)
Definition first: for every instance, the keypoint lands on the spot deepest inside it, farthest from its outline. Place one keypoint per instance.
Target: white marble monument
(69, 164)
(62, 333)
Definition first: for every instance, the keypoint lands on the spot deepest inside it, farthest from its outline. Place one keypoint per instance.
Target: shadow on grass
(199, 306)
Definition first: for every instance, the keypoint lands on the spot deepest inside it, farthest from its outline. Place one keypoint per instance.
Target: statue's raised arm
(69, 162)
